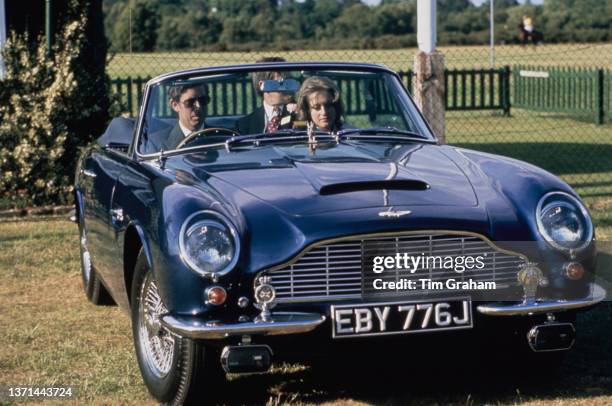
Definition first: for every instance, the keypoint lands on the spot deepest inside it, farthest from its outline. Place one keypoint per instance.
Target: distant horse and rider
(527, 34)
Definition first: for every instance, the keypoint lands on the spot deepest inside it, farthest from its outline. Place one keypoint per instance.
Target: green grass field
(52, 336)
(574, 55)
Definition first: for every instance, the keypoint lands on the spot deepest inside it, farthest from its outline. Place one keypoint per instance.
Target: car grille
(335, 270)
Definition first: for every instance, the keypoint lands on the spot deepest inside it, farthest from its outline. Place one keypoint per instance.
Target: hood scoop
(393, 184)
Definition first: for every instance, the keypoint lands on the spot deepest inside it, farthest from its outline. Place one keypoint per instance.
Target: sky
(534, 2)
(477, 2)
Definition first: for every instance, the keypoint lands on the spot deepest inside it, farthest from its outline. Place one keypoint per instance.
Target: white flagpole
(492, 30)
(426, 25)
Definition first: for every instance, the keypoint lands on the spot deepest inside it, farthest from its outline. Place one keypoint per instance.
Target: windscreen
(205, 109)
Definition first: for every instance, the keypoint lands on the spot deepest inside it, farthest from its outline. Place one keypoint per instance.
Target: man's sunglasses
(190, 103)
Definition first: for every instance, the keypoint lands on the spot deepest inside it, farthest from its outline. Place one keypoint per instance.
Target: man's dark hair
(175, 92)
(260, 76)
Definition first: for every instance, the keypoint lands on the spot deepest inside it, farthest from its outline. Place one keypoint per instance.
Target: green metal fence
(466, 90)
(561, 89)
(477, 89)
(607, 95)
(128, 91)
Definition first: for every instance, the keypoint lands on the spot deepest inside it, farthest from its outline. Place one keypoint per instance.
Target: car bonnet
(345, 176)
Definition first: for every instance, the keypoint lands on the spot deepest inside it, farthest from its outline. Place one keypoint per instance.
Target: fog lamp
(574, 270)
(243, 302)
(215, 295)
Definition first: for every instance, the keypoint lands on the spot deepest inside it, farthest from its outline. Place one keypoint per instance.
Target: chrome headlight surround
(562, 200)
(218, 222)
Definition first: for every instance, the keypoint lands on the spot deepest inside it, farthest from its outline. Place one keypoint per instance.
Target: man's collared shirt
(184, 129)
(187, 131)
(269, 110)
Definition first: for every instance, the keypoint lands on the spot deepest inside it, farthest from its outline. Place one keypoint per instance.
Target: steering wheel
(207, 131)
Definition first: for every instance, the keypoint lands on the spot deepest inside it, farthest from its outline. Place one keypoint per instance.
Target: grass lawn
(574, 55)
(577, 150)
(52, 335)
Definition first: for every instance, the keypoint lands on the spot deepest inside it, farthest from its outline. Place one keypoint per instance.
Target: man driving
(189, 102)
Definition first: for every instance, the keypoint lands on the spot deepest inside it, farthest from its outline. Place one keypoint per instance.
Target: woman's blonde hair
(316, 84)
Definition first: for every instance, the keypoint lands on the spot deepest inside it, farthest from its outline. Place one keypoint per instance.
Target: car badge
(394, 214)
(530, 277)
(265, 296)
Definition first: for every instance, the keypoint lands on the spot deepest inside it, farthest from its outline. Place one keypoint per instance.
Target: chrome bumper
(278, 323)
(597, 295)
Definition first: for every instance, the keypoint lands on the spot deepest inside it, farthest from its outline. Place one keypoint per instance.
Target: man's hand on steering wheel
(206, 131)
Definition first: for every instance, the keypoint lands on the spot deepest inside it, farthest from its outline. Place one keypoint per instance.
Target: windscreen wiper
(385, 132)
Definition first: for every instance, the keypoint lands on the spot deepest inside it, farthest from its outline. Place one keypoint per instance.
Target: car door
(131, 204)
(99, 172)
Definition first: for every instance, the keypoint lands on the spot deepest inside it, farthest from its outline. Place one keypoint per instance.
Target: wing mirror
(280, 86)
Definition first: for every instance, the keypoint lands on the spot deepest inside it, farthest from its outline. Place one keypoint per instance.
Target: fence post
(129, 83)
(506, 90)
(428, 78)
(600, 96)
(429, 92)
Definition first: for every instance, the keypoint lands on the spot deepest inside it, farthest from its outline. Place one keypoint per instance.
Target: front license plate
(375, 319)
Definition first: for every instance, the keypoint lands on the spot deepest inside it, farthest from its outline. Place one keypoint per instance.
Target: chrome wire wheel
(157, 343)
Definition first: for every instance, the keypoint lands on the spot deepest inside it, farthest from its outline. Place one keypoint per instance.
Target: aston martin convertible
(250, 206)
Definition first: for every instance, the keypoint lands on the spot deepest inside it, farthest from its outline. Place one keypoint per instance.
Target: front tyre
(172, 367)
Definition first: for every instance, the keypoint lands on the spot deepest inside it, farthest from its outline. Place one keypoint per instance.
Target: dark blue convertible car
(311, 200)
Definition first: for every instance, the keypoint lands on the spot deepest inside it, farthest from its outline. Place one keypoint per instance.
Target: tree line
(241, 25)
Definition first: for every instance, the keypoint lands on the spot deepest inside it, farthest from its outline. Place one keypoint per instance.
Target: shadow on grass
(588, 118)
(559, 158)
(603, 274)
(444, 371)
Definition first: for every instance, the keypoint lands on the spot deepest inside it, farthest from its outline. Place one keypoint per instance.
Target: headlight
(209, 244)
(564, 222)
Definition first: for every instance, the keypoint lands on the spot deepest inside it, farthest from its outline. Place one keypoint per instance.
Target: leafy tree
(91, 103)
(138, 24)
(325, 11)
(236, 30)
(396, 19)
(191, 29)
(445, 7)
(112, 12)
(291, 24)
(345, 27)
(50, 105)
(172, 33)
(259, 24)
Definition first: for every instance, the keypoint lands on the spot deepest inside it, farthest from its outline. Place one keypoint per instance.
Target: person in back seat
(273, 114)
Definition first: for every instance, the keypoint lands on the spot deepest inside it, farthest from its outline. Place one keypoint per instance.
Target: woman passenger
(319, 103)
